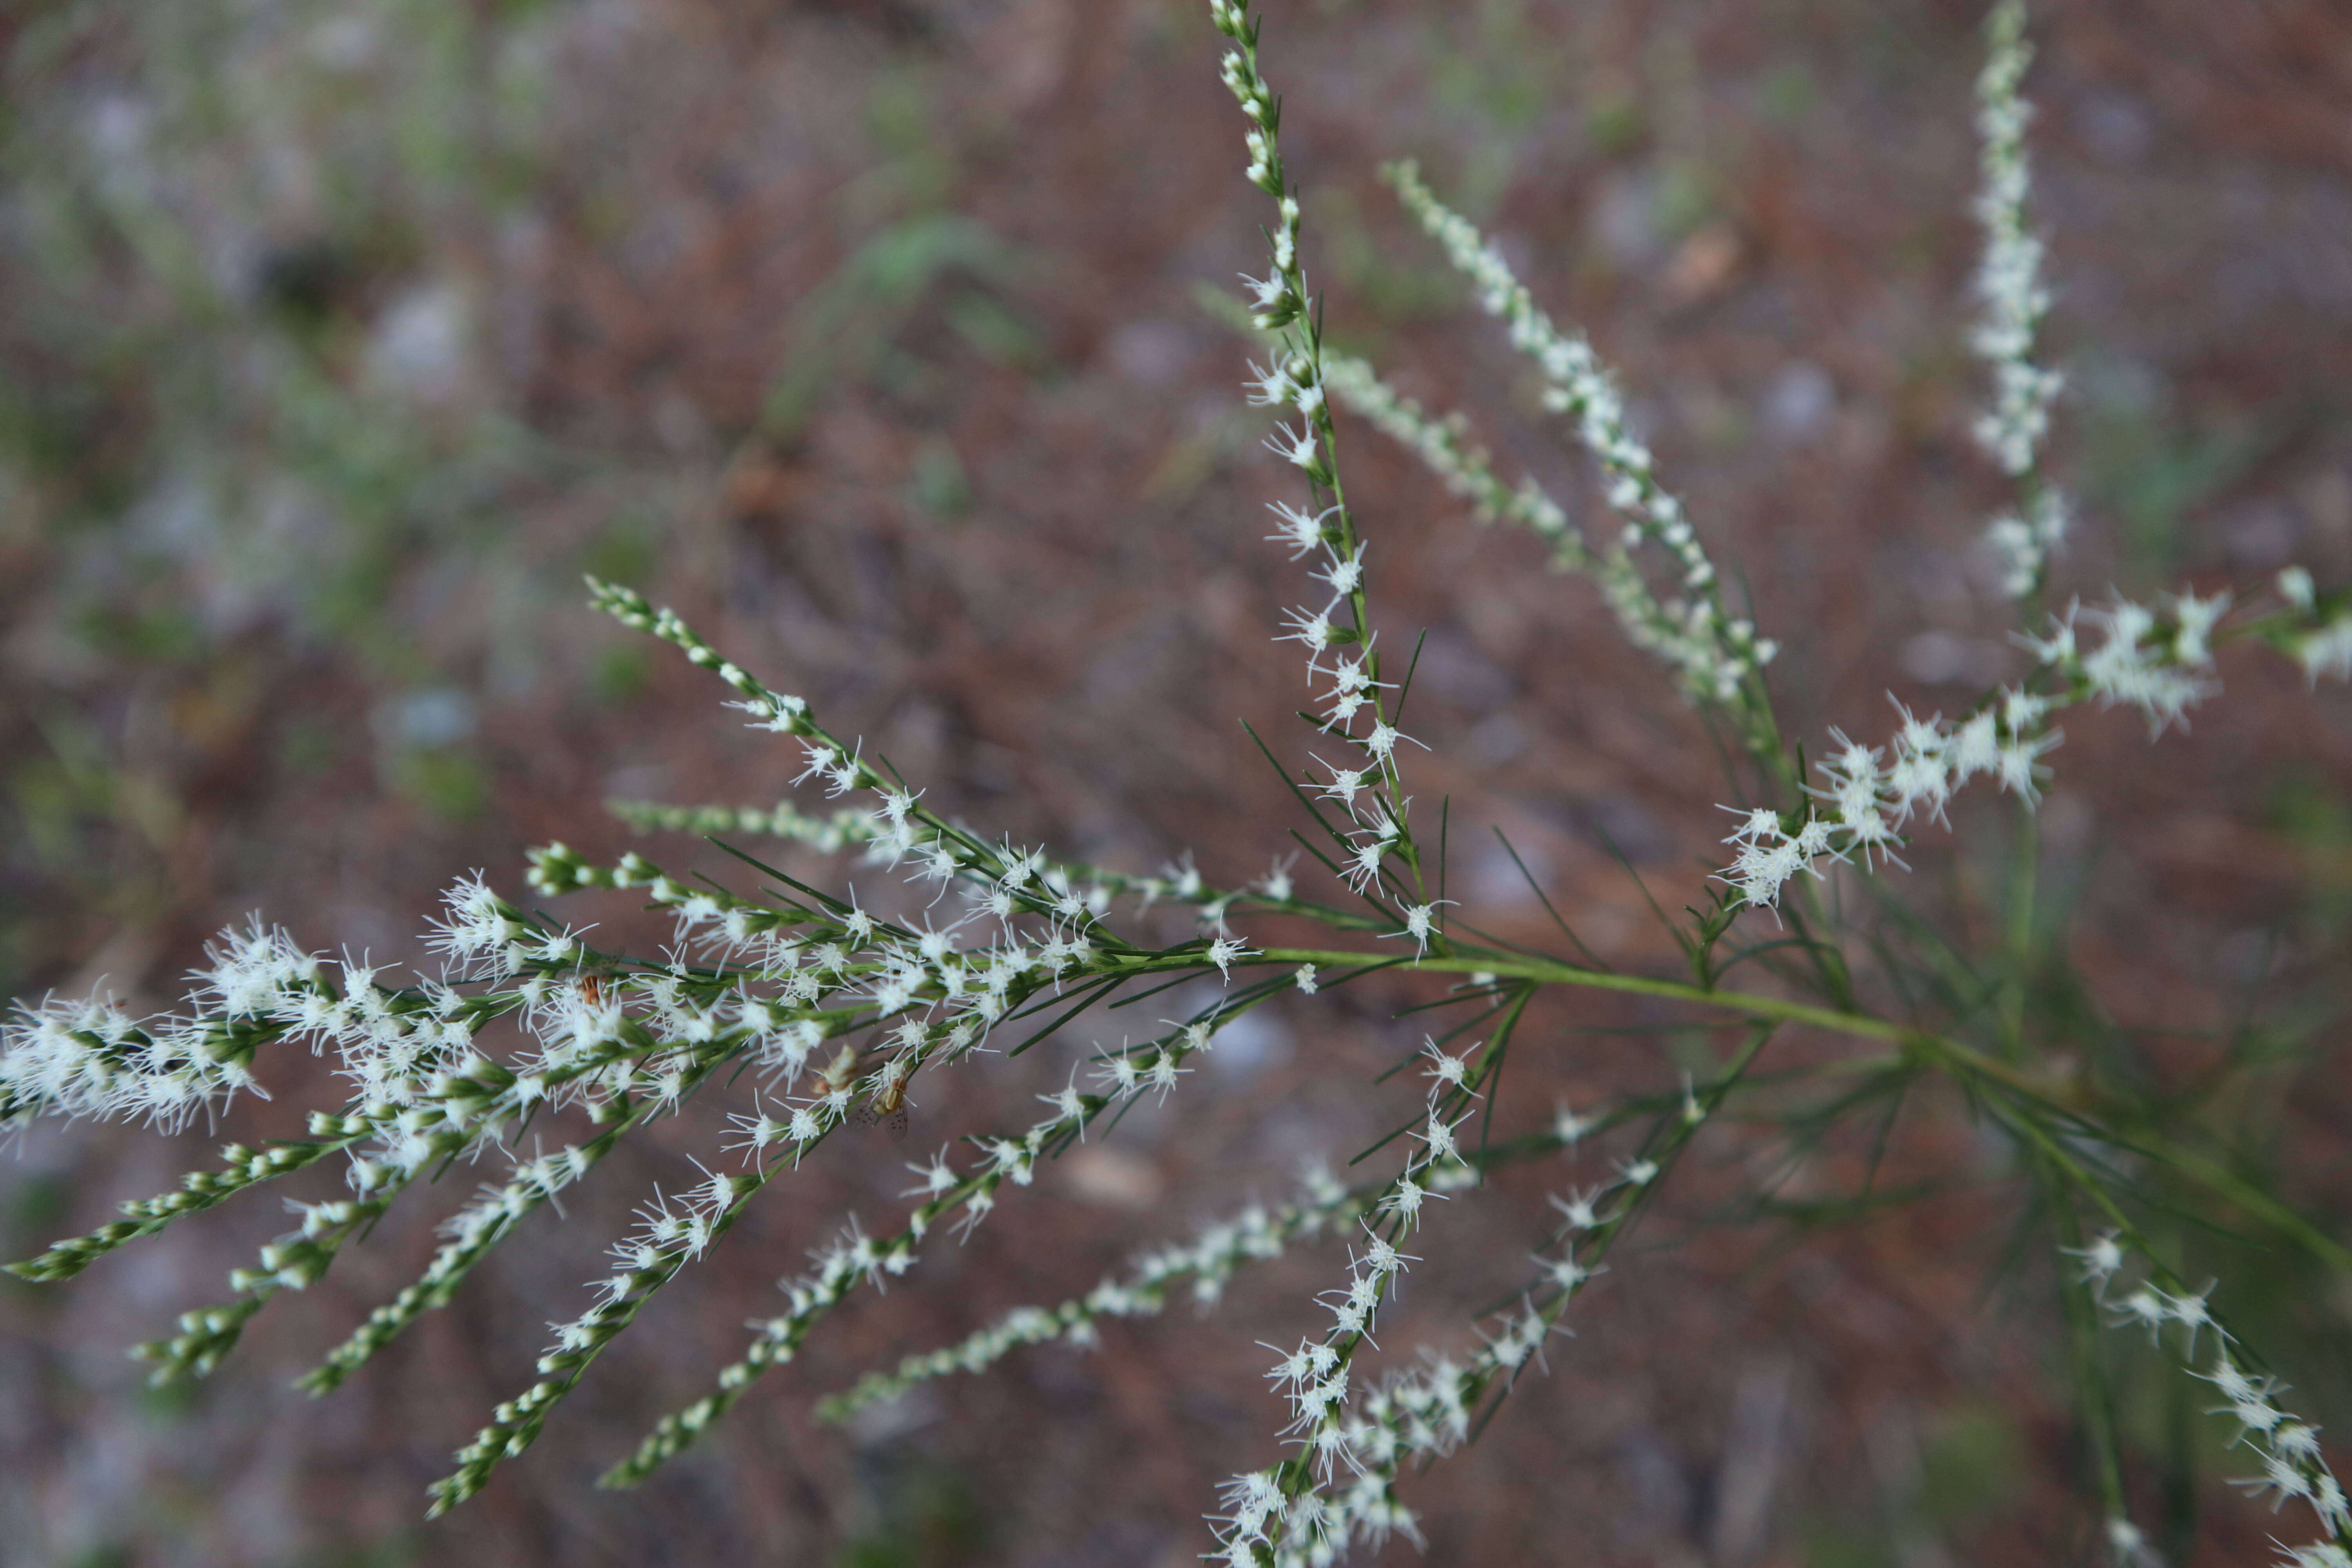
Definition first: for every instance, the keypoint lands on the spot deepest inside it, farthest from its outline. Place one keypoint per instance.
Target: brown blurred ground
(866, 335)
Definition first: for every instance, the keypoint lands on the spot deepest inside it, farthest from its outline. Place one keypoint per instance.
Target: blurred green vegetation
(262, 418)
(917, 254)
(242, 397)
(2151, 466)
(2311, 813)
(921, 1514)
(1944, 1482)
(240, 351)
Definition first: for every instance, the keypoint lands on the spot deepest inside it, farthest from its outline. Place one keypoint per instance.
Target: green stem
(1950, 1054)
(2023, 872)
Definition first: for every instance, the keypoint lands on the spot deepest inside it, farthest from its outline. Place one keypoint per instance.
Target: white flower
(1269, 387)
(1267, 293)
(1226, 952)
(1345, 785)
(1345, 576)
(1312, 628)
(1363, 862)
(474, 938)
(1451, 1071)
(1383, 738)
(2100, 1259)
(1420, 924)
(1437, 1137)
(1298, 530)
(1298, 447)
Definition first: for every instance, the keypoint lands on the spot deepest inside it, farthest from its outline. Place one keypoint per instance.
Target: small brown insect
(889, 1106)
(592, 990)
(887, 1109)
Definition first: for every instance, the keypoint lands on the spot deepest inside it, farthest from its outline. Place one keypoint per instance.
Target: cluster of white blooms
(2293, 1465)
(421, 1091)
(1293, 1513)
(252, 969)
(2009, 288)
(2009, 279)
(481, 937)
(2152, 659)
(1718, 653)
(1311, 1512)
(88, 1057)
(91, 1058)
(2149, 660)
(2321, 639)
(846, 827)
(2022, 544)
(422, 1095)
(813, 955)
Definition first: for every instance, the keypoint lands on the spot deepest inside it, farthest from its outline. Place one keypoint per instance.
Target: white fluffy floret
(88, 1057)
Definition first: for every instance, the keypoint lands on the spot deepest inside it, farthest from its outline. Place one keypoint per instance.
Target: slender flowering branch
(1122, 1075)
(2182, 1323)
(1327, 528)
(1287, 1518)
(2008, 281)
(2154, 659)
(671, 1238)
(1315, 1377)
(2009, 288)
(2093, 1397)
(940, 849)
(1720, 656)
(1094, 886)
(1256, 1234)
(1468, 471)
